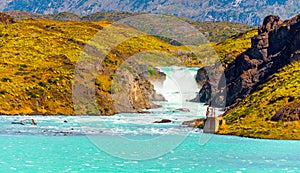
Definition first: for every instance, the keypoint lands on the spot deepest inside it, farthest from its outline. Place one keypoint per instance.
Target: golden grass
(252, 116)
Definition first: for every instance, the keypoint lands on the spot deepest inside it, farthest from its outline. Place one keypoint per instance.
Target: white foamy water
(180, 84)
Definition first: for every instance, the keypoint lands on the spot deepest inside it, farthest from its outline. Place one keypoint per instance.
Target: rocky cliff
(274, 47)
(131, 90)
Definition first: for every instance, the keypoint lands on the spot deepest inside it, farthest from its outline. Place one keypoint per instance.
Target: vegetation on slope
(38, 57)
(213, 31)
(230, 48)
(110, 16)
(36, 65)
(252, 117)
(219, 31)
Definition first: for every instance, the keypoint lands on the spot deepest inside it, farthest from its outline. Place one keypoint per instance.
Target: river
(133, 143)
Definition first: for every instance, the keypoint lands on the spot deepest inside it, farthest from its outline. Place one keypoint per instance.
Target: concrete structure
(212, 122)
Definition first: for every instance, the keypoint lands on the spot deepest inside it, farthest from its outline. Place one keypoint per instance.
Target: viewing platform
(212, 122)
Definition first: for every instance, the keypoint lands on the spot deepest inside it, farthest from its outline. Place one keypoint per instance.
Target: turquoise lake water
(79, 144)
(133, 143)
(41, 153)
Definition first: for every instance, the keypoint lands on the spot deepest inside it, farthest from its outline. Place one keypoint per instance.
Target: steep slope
(227, 51)
(262, 75)
(263, 83)
(274, 47)
(270, 112)
(251, 12)
(37, 63)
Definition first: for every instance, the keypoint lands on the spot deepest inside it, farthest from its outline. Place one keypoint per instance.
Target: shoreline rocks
(163, 121)
(196, 123)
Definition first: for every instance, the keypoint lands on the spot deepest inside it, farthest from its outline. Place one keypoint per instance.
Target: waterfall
(180, 85)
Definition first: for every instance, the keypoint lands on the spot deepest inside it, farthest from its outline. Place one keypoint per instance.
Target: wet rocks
(163, 121)
(213, 82)
(158, 97)
(204, 95)
(196, 123)
(182, 110)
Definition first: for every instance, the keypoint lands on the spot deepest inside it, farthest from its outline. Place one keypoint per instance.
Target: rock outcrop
(131, 90)
(273, 48)
(196, 123)
(212, 80)
(288, 113)
(163, 121)
(6, 19)
(182, 110)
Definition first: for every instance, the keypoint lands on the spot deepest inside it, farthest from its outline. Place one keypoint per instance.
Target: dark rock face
(276, 45)
(273, 48)
(213, 86)
(6, 19)
(288, 113)
(270, 22)
(204, 95)
(163, 121)
(201, 76)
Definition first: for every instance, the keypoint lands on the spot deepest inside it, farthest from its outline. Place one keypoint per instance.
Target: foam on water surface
(63, 143)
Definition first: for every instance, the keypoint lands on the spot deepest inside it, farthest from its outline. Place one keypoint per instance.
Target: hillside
(230, 48)
(37, 63)
(213, 31)
(251, 12)
(263, 83)
(255, 115)
(219, 31)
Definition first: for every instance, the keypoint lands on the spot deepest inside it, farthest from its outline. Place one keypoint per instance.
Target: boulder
(163, 121)
(196, 123)
(182, 110)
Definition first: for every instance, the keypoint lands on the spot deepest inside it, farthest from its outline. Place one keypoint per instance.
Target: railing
(210, 112)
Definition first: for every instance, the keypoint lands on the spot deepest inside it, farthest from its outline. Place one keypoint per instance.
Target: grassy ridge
(252, 116)
(230, 48)
(36, 65)
(38, 57)
(219, 31)
(213, 31)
